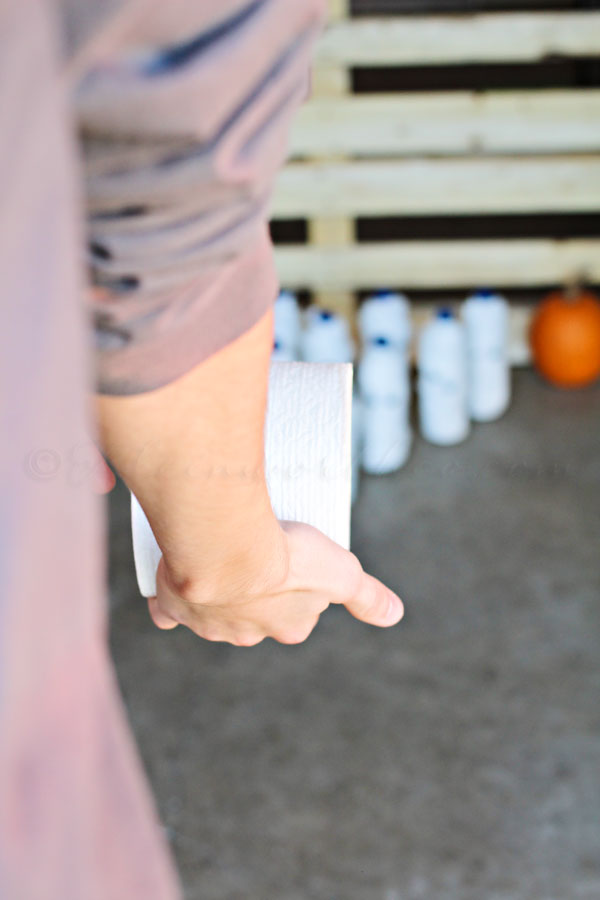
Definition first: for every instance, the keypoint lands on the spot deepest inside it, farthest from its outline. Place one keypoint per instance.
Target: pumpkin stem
(574, 285)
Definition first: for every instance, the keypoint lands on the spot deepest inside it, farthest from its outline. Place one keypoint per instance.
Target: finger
(296, 633)
(161, 619)
(223, 635)
(103, 478)
(212, 624)
(375, 603)
(248, 640)
(341, 579)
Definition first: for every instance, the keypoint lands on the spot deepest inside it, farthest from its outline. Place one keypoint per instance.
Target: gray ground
(455, 757)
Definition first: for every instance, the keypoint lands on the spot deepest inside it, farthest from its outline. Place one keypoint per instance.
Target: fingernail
(395, 609)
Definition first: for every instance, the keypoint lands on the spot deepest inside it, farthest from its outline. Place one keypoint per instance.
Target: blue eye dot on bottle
(444, 313)
(325, 315)
(381, 342)
(276, 345)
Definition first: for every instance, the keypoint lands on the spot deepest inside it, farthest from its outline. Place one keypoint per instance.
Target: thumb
(375, 604)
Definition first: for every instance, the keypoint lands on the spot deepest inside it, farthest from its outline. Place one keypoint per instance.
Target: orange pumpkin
(565, 337)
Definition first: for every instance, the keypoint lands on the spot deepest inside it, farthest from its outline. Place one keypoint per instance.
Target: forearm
(167, 210)
(193, 454)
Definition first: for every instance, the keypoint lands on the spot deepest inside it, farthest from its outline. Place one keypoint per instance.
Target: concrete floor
(455, 757)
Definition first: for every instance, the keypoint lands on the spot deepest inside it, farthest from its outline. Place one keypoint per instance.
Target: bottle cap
(287, 296)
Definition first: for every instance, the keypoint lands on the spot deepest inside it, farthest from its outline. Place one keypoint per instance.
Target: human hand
(193, 454)
(284, 602)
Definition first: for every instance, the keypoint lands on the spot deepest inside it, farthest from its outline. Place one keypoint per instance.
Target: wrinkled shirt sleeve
(183, 129)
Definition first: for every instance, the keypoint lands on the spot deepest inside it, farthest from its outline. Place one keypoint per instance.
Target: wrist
(230, 562)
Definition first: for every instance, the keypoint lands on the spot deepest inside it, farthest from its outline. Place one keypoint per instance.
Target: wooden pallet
(439, 154)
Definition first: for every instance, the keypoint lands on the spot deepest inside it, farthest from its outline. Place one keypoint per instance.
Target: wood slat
(333, 81)
(338, 9)
(456, 123)
(438, 187)
(432, 40)
(438, 264)
(458, 7)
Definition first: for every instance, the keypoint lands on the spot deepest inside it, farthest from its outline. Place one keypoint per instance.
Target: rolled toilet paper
(307, 457)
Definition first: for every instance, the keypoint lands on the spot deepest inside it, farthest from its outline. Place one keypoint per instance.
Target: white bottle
(442, 381)
(357, 441)
(282, 353)
(384, 386)
(326, 337)
(485, 315)
(287, 327)
(386, 314)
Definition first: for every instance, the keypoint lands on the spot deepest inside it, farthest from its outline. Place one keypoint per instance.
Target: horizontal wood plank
(438, 187)
(455, 123)
(433, 40)
(438, 264)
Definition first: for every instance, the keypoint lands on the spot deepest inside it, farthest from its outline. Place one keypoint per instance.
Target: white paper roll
(307, 457)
